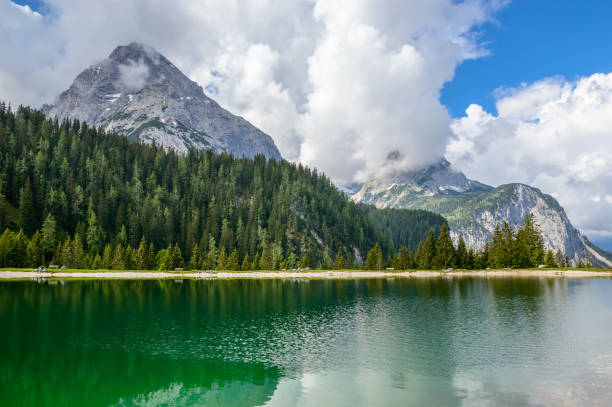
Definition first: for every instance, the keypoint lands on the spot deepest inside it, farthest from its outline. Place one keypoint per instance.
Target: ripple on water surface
(320, 342)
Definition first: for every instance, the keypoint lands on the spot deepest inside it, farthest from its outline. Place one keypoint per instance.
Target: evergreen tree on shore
(445, 251)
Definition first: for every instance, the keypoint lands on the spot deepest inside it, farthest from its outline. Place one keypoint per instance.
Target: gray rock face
(139, 93)
(395, 188)
(474, 209)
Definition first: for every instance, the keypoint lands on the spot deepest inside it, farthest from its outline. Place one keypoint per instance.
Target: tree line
(80, 197)
(506, 249)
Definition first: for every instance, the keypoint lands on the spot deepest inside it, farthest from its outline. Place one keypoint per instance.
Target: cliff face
(473, 209)
(139, 93)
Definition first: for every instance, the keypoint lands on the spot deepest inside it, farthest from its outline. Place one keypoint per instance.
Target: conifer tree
(118, 258)
(49, 235)
(34, 251)
(277, 255)
(339, 264)
(122, 238)
(107, 257)
(256, 265)
(471, 259)
(150, 258)
(57, 258)
(445, 251)
(428, 251)
(211, 258)
(267, 261)
(66, 252)
(177, 257)
(6, 247)
(403, 261)
(94, 236)
(549, 259)
(232, 261)
(292, 261)
(129, 258)
(27, 215)
(462, 254)
(195, 263)
(374, 260)
(419, 258)
(141, 255)
(304, 262)
(20, 247)
(246, 264)
(97, 263)
(77, 253)
(222, 260)
(536, 242)
(559, 259)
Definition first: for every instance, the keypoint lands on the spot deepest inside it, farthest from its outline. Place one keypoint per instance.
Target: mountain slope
(139, 93)
(111, 190)
(473, 209)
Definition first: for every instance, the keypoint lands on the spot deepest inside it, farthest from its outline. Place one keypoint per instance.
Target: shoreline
(323, 274)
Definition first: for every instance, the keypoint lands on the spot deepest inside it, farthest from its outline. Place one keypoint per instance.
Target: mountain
(67, 179)
(473, 209)
(137, 92)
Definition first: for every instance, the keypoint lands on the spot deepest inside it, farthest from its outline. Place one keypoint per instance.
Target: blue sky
(532, 40)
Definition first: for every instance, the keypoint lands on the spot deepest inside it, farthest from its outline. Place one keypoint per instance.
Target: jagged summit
(136, 91)
(391, 186)
(135, 51)
(473, 209)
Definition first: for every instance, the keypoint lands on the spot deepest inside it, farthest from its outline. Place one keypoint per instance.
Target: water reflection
(518, 341)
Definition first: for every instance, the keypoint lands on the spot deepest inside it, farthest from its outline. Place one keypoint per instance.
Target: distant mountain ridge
(473, 209)
(137, 92)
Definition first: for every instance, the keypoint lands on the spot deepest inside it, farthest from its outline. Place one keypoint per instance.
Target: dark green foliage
(405, 259)
(35, 251)
(66, 178)
(339, 264)
(549, 259)
(463, 257)
(523, 249)
(195, 263)
(445, 251)
(232, 261)
(404, 227)
(427, 252)
(374, 261)
(222, 260)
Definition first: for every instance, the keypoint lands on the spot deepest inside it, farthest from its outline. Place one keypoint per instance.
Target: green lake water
(369, 342)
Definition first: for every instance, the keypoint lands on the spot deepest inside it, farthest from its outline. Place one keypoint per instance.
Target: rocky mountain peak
(394, 184)
(473, 209)
(138, 92)
(133, 52)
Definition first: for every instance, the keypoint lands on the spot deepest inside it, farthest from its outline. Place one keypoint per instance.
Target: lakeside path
(324, 274)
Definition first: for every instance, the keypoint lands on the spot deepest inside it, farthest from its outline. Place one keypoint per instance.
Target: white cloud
(553, 134)
(337, 84)
(134, 75)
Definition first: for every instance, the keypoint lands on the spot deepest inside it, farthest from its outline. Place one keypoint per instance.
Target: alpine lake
(319, 342)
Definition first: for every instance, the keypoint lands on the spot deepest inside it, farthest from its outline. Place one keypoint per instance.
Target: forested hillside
(404, 227)
(74, 189)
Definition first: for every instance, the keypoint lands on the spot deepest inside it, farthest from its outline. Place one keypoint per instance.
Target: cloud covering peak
(337, 84)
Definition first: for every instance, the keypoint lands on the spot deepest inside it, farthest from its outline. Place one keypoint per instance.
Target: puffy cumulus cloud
(553, 134)
(375, 78)
(337, 84)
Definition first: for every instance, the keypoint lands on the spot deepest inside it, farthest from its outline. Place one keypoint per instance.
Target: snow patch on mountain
(473, 209)
(137, 92)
